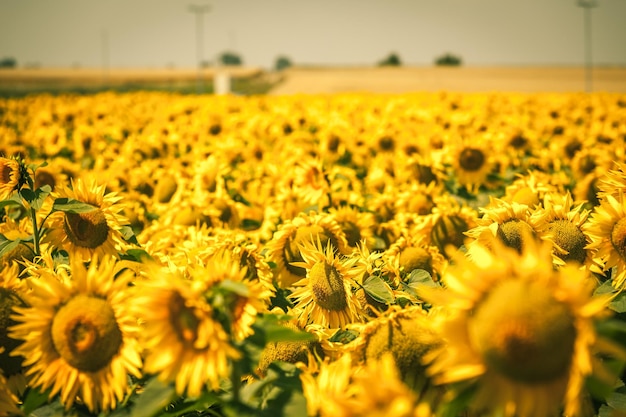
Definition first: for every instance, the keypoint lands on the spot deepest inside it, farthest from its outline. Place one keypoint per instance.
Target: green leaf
(34, 167)
(270, 328)
(8, 245)
(153, 400)
(187, 407)
(128, 234)
(606, 411)
(618, 304)
(55, 409)
(250, 224)
(71, 206)
(136, 255)
(617, 401)
(605, 288)
(344, 336)
(234, 287)
(280, 333)
(36, 198)
(34, 399)
(376, 288)
(9, 202)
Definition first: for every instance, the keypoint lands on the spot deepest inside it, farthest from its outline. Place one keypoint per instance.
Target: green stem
(33, 216)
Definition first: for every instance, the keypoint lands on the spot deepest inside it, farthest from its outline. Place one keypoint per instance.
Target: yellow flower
(472, 163)
(339, 389)
(518, 329)
(284, 248)
(407, 335)
(508, 223)
(78, 335)
(606, 228)
(10, 177)
(326, 295)
(561, 221)
(12, 290)
(445, 227)
(91, 233)
(8, 400)
(183, 341)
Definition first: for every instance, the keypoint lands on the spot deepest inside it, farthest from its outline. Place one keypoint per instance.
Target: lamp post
(199, 11)
(587, 5)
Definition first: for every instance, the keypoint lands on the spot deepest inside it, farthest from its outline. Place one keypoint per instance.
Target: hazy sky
(158, 33)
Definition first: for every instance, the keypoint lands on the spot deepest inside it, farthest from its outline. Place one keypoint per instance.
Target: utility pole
(105, 56)
(587, 5)
(199, 11)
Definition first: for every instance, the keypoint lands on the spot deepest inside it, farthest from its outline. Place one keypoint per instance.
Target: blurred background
(290, 46)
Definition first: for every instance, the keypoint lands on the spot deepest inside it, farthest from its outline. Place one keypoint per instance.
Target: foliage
(282, 62)
(392, 60)
(448, 60)
(8, 62)
(230, 58)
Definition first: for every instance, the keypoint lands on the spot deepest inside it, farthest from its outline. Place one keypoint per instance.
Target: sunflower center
(44, 178)
(87, 230)
(292, 247)
(471, 159)
(569, 238)
(352, 231)
(416, 258)
(327, 287)
(618, 237)
(183, 320)
(85, 333)
(5, 174)
(523, 333)
(512, 233)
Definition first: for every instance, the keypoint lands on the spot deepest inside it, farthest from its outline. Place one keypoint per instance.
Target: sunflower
(518, 330)
(445, 227)
(8, 400)
(357, 225)
(91, 233)
(326, 295)
(183, 341)
(613, 181)
(530, 188)
(10, 177)
(409, 253)
(472, 163)
(509, 223)
(606, 229)
(338, 388)
(407, 335)
(311, 184)
(240, 307)
(284, 247)
(560, 221)
(12, 290)
(78, 335)
(14, 230)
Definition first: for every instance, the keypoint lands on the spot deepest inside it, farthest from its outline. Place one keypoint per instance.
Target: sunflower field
(427, 254)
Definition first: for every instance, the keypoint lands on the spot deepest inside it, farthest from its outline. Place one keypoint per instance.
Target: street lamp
(587, 5)
(199, 10)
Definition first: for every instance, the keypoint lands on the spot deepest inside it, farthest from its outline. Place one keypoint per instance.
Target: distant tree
(448, 60)
(393, 60)
(230, 58)
(8, 62)
(282, 62)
